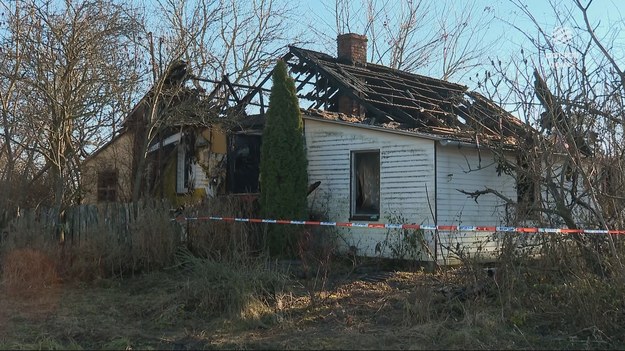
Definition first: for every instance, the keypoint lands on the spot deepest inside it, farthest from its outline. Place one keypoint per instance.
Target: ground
(374, 309)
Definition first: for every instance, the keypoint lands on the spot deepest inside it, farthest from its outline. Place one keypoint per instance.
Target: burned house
(391, 146)
(179, 143)
(383, 145)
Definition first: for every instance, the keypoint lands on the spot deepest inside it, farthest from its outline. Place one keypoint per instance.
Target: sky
(318, 15)
(609, 11)
(608, 14)
(315, 22)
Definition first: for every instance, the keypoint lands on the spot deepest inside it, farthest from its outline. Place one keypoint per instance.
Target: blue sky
(504, 41)
(507, 41)
(608, 11)
(609, 14)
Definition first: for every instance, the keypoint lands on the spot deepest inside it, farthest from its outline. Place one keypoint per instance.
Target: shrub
(284, 178)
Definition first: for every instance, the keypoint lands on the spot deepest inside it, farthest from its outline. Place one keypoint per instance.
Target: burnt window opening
(610, 179)
(107, 185)
(526, 188)
(243, 163)
(569, 173)
(365, 185)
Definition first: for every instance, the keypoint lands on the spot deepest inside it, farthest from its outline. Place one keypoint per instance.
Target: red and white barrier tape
(444, 228)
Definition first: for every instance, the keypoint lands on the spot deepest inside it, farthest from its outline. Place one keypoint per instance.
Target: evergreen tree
(283, 174)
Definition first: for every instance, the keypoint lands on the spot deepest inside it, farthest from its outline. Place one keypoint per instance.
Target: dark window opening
(365, 185)
(569, 173)
(610, 180)
(107, 186)
(243, 163)
(526, 191)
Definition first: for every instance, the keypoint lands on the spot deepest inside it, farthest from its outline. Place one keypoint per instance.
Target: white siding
(419, 177)
(197, 179)
(406, 178)
(469, 169)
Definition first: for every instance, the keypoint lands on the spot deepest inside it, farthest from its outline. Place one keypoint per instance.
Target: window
(244, 163)
(528, 196)
(525, 190)
(365, 185)
(107, 185)
(610, 179)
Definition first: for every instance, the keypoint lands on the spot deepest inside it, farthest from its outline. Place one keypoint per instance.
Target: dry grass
(148, 244)
(225, 240)
(26, 270)
(211, 305)
(149, 290)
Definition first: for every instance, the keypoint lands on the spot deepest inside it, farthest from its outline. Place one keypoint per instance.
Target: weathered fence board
(76, 223)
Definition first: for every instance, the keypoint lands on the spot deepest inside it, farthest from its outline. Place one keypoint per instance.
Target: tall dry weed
(557, 292)
(227, 288)
(105, 247)
(25, 270)
(222, 240)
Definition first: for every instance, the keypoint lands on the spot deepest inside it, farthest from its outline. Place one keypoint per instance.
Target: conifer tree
(284, 178)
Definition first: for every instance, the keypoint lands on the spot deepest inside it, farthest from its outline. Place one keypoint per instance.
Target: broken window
(365, 185)
(527, 188)
(107, 185)
(244, 163)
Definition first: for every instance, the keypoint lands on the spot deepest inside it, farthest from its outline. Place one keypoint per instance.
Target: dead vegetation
(218, 292)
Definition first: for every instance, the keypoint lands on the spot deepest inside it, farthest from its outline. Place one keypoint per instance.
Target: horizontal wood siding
(406, 179)
(200, 179)
(466, 168)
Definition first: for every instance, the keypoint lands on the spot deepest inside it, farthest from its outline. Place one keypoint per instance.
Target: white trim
(180, 169)
(175, 138)
(374, 127)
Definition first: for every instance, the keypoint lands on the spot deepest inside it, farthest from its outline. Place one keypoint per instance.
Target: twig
(523, 335)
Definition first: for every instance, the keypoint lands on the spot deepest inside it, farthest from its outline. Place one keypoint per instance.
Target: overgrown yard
(202, 304)
(148, 290)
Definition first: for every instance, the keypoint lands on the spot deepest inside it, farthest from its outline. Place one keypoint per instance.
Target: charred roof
(348, 88)
(397, 99)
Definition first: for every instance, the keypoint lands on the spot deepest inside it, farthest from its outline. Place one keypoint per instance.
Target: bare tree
(73, 72)
(567, 84)
(234, 37)
(9, 97)
(445, 39)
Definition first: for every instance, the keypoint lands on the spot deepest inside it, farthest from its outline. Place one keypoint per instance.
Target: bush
(284, 178)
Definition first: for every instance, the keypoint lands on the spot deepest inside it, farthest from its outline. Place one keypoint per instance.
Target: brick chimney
(352, 49)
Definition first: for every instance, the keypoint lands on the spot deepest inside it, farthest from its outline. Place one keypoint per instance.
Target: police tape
(443, 228)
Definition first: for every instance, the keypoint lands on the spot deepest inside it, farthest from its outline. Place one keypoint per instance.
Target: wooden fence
(79, 222)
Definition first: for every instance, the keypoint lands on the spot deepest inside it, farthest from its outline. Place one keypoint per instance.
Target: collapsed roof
(348, 88)
(397, 99)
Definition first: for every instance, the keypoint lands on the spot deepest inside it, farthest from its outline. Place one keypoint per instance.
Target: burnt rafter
(305, 81)
(390, 95)
(325, 102)
(381, 95)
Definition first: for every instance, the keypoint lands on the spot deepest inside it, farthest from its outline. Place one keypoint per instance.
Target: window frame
(183, 169)
(355, 212)
(107, 184)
